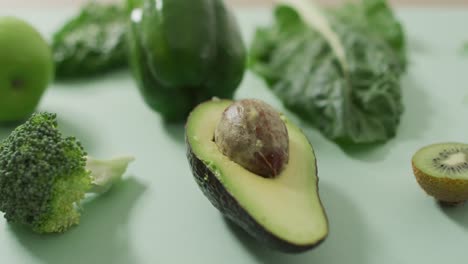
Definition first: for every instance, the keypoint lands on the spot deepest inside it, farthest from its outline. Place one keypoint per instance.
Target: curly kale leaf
(344, 79)
(93, 42)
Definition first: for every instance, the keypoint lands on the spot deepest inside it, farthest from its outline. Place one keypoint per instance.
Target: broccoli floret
(44, 175)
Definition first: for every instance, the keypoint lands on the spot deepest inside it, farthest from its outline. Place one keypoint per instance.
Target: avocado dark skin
(230, 208)
(185, 52)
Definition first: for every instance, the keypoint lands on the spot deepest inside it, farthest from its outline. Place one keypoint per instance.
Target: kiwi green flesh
(443, 160)
(285, 210)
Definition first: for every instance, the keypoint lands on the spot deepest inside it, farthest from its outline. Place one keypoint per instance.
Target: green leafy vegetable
(92, 42)
(340, 70)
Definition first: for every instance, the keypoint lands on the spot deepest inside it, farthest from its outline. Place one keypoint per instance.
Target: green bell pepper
(185, 52)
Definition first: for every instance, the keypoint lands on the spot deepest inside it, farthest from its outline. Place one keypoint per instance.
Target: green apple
(26, 69)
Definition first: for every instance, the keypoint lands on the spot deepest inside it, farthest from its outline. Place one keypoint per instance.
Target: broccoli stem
(106, 172)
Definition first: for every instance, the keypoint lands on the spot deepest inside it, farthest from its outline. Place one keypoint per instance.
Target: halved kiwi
(442, 171)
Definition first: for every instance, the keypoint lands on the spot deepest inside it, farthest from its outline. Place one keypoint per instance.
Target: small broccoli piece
(44, 175)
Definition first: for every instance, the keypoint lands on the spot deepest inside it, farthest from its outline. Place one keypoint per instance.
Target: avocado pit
(252, 134)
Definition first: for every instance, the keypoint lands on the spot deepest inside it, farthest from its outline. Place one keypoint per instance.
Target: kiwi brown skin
(446, 190)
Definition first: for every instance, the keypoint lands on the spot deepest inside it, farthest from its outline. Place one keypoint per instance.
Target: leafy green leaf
(92, 42)
(357, 99)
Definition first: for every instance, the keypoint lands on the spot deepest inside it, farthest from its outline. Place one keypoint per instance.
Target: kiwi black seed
(442, 171)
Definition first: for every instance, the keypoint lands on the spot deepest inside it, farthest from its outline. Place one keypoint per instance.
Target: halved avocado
(284, 212)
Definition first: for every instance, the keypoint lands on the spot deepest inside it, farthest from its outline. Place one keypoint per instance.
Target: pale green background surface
(377, 212)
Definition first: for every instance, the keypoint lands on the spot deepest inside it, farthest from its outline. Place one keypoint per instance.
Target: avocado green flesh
(423, 159)
(287, 206)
